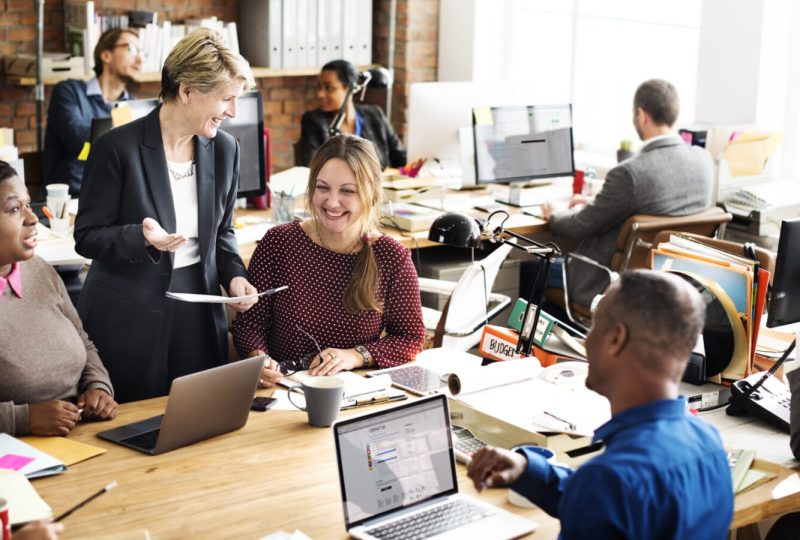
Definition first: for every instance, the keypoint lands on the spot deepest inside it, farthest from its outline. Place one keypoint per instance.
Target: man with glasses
(73, 105)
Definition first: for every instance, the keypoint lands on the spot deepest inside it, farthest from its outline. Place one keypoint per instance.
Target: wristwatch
(363, 351)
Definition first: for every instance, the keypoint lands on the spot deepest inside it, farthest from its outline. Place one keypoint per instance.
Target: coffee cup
(323, 399)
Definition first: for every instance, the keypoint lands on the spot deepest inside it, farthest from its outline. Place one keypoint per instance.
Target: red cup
(5, 520)
(258, 202)
(577, 182)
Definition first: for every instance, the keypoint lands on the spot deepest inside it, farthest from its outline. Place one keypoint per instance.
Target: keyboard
(436, 520)
(146, 440)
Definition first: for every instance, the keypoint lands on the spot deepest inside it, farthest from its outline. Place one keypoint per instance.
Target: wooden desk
(275, 473)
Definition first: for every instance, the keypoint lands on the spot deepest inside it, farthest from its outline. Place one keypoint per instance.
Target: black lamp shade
(454, 229)
(380, 77)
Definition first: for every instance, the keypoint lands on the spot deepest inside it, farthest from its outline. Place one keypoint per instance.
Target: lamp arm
(536, 248)
(336, 126)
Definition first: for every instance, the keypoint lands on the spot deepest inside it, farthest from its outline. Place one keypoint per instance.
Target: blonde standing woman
(155, 216)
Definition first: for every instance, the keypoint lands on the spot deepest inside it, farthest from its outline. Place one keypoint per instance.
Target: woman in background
(365, 121)
(155, 216)
(353, 298)
(51, 376)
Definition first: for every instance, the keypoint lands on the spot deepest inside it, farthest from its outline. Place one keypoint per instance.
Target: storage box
(60, 64)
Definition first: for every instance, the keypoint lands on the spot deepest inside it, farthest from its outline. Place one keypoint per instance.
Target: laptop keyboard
(146, 440)
(436, 520)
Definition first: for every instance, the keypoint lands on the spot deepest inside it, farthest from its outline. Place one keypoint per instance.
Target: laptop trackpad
(130, 430)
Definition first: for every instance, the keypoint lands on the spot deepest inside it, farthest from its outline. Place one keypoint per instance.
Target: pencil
(47, 212)
(86, 501)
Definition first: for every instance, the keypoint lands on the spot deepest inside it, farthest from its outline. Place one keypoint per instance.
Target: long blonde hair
(359, 154)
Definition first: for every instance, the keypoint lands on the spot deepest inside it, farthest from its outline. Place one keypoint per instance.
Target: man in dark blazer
(666, 178)
(123, 301)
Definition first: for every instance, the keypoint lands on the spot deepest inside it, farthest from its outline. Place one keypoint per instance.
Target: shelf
(258, 73)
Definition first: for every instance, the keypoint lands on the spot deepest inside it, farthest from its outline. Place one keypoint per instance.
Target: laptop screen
(396, 458)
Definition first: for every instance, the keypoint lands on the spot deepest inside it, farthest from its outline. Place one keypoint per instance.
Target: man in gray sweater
(666, 178)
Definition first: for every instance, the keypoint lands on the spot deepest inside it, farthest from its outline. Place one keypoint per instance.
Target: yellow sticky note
(483, 116)
(121, 115)
(84, 152)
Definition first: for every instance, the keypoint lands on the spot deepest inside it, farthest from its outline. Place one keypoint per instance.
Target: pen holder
(283, 203)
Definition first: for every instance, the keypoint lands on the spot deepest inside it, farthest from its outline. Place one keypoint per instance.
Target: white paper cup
(57, 190)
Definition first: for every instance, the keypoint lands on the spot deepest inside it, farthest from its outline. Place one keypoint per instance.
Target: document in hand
(15, 455)
(217, 299)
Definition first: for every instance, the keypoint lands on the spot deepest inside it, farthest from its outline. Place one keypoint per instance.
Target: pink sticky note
(14, 462)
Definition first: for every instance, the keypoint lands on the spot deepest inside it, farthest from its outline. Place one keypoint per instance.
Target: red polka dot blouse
(317, 279)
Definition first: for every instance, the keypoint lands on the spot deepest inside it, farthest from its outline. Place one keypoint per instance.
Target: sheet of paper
(499, 374)
(215, 299)
(67, 450)
(355, 386)
(443, 360)
(24, 503)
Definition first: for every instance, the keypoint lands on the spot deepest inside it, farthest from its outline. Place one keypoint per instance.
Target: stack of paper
(68, 451)
(16, 455)
(744, 474)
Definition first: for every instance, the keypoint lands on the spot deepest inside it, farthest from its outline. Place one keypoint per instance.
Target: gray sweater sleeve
(14, 418)
(612, 206)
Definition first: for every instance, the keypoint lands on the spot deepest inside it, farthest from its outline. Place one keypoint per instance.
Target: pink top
(14, 280)
(317, 279)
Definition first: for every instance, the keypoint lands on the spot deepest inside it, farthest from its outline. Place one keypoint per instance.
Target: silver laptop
(200, 406)
(397, 473)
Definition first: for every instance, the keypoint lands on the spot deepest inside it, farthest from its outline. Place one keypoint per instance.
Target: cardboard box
(53, 64)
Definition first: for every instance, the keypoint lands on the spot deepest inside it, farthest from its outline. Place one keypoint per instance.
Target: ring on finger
(330, 356)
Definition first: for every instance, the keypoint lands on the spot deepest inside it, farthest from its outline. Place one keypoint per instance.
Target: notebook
(397, 475)
(200, 406)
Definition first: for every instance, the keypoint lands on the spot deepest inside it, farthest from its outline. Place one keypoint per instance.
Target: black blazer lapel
(204, 160)
(155, 167)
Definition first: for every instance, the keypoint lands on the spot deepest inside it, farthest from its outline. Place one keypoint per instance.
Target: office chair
(584, 280)
(471, 302)
(636, 236)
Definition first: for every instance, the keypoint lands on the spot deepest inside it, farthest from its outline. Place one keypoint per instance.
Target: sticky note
(483, 116)
(84, 152)
(14, 462)
(121, 115)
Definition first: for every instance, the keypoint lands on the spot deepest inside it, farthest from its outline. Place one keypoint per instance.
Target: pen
(47, 212)
(373, 400)
(109, 487)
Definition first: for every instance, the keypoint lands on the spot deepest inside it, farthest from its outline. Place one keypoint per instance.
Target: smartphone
(262, 403)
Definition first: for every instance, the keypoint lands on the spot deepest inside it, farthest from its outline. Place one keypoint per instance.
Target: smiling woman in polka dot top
(351, 289)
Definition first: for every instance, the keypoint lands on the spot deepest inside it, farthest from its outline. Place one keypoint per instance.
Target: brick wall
(285, 98)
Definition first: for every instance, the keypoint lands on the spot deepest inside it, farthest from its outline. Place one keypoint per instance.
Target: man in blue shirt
(663, 474)
(73, 105)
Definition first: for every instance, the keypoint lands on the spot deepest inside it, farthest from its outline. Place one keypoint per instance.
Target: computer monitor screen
(248, 128)
(784, 305)
(519, 143)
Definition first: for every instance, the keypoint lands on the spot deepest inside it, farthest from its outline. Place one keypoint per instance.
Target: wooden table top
(276, 473)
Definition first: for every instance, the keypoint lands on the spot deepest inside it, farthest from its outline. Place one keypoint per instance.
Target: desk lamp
(460, 230)
(376, 77)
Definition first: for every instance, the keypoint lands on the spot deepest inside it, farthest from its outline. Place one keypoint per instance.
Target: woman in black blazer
(366, 121)
(155, 216)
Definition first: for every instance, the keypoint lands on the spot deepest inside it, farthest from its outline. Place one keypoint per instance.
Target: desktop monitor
(248, 128)
(440, 119)
(522, 143)
(784, 305)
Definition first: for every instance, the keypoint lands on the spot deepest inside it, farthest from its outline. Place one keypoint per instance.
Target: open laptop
(200, 406)
(397, 473)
